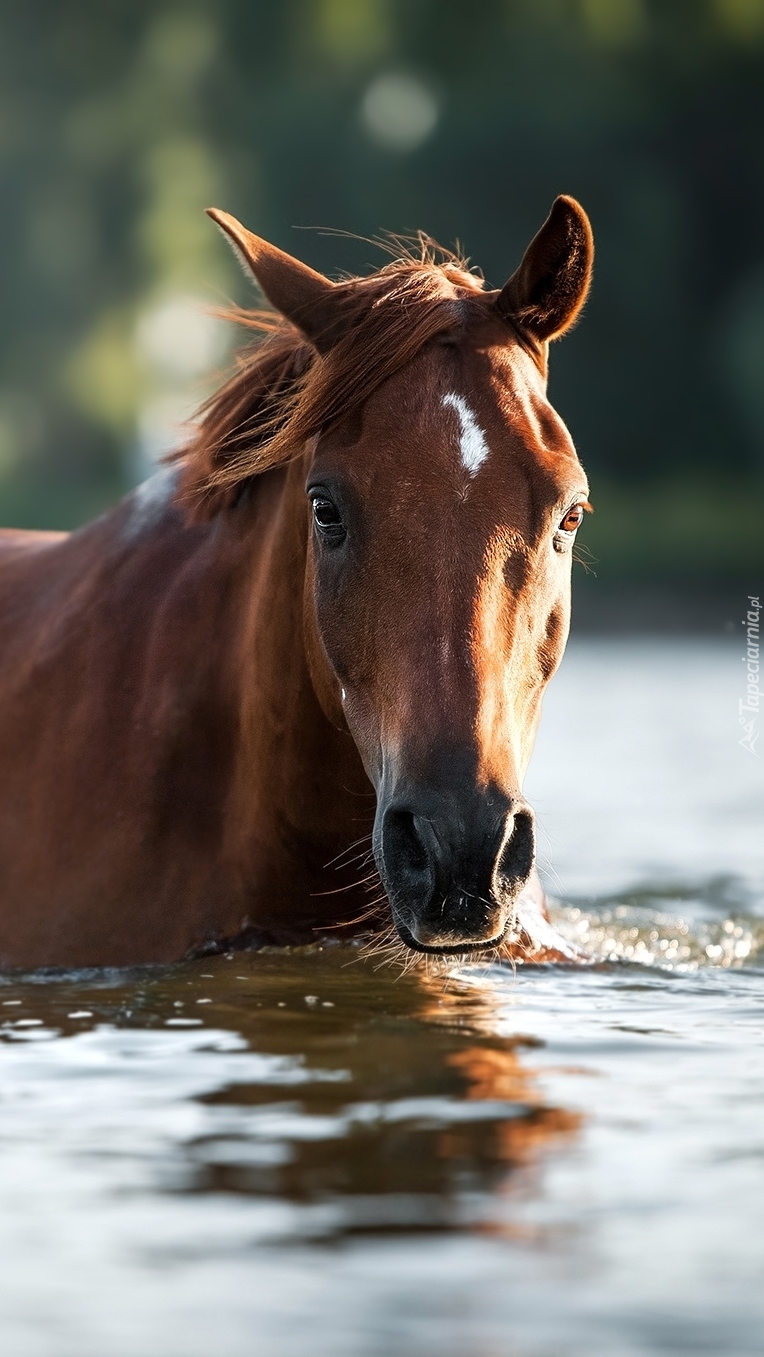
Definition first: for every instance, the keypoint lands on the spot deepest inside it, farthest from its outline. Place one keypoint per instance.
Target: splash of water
(649, 936)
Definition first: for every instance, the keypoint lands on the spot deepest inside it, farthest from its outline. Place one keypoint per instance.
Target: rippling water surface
(295, 1152)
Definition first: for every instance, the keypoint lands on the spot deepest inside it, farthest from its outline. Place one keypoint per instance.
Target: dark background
(121, 119)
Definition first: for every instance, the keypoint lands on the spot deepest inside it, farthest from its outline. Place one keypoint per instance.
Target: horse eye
(328, 519)
(573, 519)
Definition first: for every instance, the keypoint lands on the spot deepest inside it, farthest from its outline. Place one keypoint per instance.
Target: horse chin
(466, 946)
(527, 935)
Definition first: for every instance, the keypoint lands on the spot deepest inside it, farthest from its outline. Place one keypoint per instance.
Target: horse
(288, 688)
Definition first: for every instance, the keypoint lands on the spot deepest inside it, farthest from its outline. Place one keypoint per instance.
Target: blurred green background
(121, 119)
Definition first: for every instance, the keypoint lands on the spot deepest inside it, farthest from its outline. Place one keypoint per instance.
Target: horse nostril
(517, 855)
(408, 841)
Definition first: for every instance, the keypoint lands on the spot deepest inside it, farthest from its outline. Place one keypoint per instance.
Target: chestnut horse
(324, 630)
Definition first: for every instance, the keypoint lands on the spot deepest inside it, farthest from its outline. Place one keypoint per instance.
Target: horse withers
(291, 684)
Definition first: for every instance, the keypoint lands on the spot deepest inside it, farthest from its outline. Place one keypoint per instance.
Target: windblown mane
(284, 392)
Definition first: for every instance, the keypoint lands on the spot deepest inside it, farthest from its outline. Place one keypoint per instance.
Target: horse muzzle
(453, 871)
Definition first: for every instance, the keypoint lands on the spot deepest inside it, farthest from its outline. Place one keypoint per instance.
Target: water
(291, 1153)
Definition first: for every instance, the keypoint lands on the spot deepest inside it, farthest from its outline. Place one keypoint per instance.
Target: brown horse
(326, 629)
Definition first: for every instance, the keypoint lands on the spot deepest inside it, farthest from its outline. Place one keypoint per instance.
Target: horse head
(443, 496)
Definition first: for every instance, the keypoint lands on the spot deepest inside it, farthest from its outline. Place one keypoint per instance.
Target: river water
(299, 1153)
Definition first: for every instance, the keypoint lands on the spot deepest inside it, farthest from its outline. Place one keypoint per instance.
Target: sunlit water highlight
(295, 1153)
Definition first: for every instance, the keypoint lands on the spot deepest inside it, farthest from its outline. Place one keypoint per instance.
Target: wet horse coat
(329, 624)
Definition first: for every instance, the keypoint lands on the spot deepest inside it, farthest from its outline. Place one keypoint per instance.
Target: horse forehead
(501, 407)
(497, 391)
(456, 419)
(515, 393)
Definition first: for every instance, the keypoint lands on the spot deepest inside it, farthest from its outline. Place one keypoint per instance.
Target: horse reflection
(437, 1124)
(393, 1106)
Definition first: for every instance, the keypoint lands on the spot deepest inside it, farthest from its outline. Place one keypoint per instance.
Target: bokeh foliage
(121, 119)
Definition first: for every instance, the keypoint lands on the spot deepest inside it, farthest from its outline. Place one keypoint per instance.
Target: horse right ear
(546, 293)
(305, 297)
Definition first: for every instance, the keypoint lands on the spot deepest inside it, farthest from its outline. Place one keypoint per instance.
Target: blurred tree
(120, 120)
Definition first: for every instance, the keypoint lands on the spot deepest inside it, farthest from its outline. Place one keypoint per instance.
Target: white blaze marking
(472, 444)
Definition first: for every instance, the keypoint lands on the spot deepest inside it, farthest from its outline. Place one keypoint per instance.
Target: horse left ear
(305, 297)
(547, 291)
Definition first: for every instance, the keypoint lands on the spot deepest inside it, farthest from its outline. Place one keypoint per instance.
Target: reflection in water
(227, 1154)
(375, 1104)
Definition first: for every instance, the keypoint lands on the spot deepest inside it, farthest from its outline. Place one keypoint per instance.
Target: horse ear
(547, 291)
(305, 297)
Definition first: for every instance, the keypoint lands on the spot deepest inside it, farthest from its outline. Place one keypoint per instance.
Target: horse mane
(283, 392)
